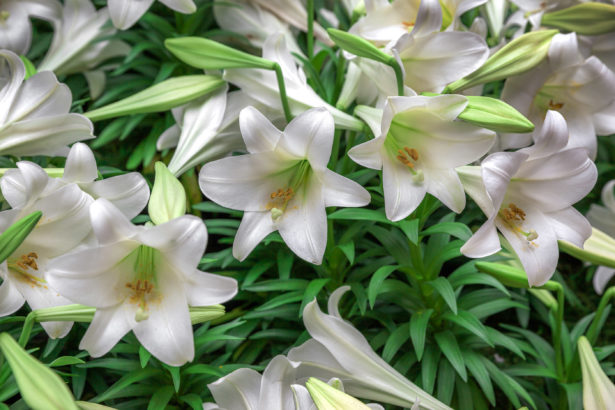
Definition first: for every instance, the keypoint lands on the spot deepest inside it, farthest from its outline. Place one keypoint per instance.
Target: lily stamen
(25, 263)
(514, 217)
(555, 106)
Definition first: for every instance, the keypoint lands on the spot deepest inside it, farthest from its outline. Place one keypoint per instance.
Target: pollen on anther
(555, 106)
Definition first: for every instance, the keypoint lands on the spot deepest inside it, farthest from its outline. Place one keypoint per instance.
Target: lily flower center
(408, 24)
(409, 157)
(278, 200)
(22, 265)
(555, 105)
(142, 289)
(515, 217)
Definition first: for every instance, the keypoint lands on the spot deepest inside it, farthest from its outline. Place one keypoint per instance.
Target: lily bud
(30, 68)
(160, 97)
(40, 387)
(598, 390)
(359, 46)
(495, 115)
(508, 275)
(599, 249)
(590, 19)
(16, 233)
(168, 200)
(518, 56)
(329, 398)
(211, 55)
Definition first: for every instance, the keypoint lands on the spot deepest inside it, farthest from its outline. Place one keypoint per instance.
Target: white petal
(551, 137)
(428, 19)
(40, 96)
(239, 390)
(11, 299)
(182, 241)
(372, 117)
(401, 193)
(183, 6)
(601, 278)
(169, 138)
(19, 186)
(96, 82)
(244, 182)
(604, 121)
(600, 217)
(16, 31)
(310, 135)
(539, 257)
(125, 13)
(128, 192)
(582, 132)
(341, 191)
(107, 329)
(204, 289)
(12, 74)
(368, 154)
(80, 164)
(608, 199)
(570, 226)
(564, 51)
(483, 243)
(167, 333)
(76, 274)
(109, 223)
(275, 49)
(253, 228)
(497, 170)
(445, 185)
(302, 398)
(304, 225)
(275, 384)
(258, 132)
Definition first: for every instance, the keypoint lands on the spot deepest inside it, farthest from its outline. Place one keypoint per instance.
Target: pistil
(514, 217)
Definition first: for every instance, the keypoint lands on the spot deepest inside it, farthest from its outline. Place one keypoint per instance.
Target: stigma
(279, 201)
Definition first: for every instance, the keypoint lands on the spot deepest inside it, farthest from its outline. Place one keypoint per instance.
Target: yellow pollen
(407, 156)
(513, 213)
(555, 106)
(514, 217)
(408, 24)
(23, 265)
(279, 201)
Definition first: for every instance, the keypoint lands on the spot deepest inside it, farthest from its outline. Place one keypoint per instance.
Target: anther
(555, 106)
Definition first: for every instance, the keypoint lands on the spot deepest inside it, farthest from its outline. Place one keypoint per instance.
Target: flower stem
(310, 29)
(282, 88)
(399, 75)
(592, 332)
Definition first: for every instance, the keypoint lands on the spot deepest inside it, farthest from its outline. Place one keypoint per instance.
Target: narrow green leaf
(65, 361)
(125, 381)
(348, 250)
(360, 214)
(509, 386)
(456, 229)
(410, 229)
(161, 398)
(311, 291)
(446, 382)
(469, 322)
(450, 348)
(376, 282)
(480, 374)
(429, 367)
(418, 330)
(395, 342)
(444, 288)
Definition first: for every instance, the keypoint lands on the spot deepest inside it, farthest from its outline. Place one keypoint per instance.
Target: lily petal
(238, 390)
(258, 132)
(341, 191)
(107, 329)
(125, 13)
(80, 164)
(254, 227)
(204, 289)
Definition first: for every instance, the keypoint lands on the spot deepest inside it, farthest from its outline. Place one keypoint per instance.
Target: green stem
(399, 75)
(557, 342)
(592, 332)
(310, 29)
(282, 88)
(335, 150)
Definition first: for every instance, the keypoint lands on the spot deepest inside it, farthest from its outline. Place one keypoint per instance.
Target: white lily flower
(432, 59)
(262, 85)
(128, 192)
(603, 47)
(254, 22)
(125, 13)
(64, 224)
(598, 389)
(34, 117)
(15, 25)
(603, 218)
(77, 45)
(208, 129)
(283, 183)
(528, 196)
(581, 89)
(419, 144)
(339, 350)
(533, 10)
(145, 277)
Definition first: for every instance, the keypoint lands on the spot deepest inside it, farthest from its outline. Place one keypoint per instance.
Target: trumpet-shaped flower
(125, 13)
(128, 192)
(603, 218)
(581, 89)
(418, 146)
(78, 44)
(34, 118)
(63, 226)
(262, 85)
(283, 183)
(528, 196)
(145, 277)
(15, 25)
(432, 59)
(598, 390)
(337, 349)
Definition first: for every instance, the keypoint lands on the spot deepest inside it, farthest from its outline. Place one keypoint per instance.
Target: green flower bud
(359, 46)
(598, 249)
(516, 57)
(589, 19)
(211, 55)
(495, 115)
(168, 199)
(329, 398)
(160, 97)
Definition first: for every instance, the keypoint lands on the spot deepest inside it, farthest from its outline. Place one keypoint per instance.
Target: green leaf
(429, 367)
(161, 398)
(287, 298)
(65, 361)
(278, 285)
(480, 374)
(159, 97)
(509, 386)
(144, 356)
(477, 278)
(469, 322)
(175, 376)
(359, 214)
(15, 234)
(348, 250)
(124, 382)
(499, 339)
(418, 330)
(376, 282)
(531, 370)
(285, 263)
(210, 55)
(311, 291)
(444, 288)
(410, 229)
(448, 345)
(456, 229)
(446, 382)
(395, 342)
(193, 400)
